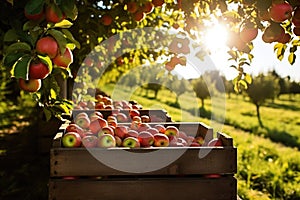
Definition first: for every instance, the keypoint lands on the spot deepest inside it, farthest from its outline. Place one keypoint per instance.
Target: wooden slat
(226, 139)
(190, 160)
(180, 188)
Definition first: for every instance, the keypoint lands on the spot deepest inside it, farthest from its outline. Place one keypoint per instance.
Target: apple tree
(123, 34)
(263, 88)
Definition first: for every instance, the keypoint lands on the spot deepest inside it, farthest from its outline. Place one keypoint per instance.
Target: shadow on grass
(283, 137)
(293, 107)
(173, 104)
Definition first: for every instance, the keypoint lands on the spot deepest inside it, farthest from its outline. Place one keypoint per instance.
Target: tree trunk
(202, 102)
(258, 115)
(155, 94)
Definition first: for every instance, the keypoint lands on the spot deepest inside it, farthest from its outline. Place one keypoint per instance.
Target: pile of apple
(95, 131)
(107, 103)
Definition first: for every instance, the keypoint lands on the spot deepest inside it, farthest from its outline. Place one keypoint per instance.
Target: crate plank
(224, 188)
(191, 160)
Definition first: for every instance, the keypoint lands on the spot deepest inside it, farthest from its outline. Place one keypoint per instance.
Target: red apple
(34, 16)
(134, 125)
(139, 15)
(158, 3)
(82, 121)
(199, 139)
(54, 14)
(111, 118)
(296, 31)
(145, 119)
(134, 112)
(132, 133)
(75, 128)
(148, 7)
(152, 130)
(64, 60)
(31, 85)
(112, 123)
(106, 141)
(132, 7)
(118, 141)
(107, 100)
(99, 105)
(248, 33)
(106, 20)
(215, 142)
(89, 141)
(81, 114)
(97, 124)
(131, 142)
(285, 38)
(38, 70)
(143, 127)
(183, 135)
(182, 141)
(161, 140)
(121, 131)
(195, 144)
(71, 139)
(161, 128)
(47, 46)
(272, 33)
(106, 130)
(122, 117)
(172, 131)
(137, 119)
(280, 12)
(146, 139)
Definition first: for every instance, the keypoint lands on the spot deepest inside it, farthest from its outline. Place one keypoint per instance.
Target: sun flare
(215, 37)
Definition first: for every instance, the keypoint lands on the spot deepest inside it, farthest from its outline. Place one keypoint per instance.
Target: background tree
(262, 88)
(178, 86)
(201, 89)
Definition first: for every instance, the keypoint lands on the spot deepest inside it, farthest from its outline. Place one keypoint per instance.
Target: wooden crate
(198, 172)
(155, 115)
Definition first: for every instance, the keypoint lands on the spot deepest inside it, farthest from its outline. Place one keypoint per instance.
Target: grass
(268, 157)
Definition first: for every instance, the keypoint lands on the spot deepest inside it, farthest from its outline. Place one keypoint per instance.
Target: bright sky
(264, 60)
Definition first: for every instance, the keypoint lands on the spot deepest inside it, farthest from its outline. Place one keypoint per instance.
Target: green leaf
(47, 61)
(63, 24)
(243, 83)
(31, 25)
(34, 6)
(10, 36)
(11, 59)
(48, 113)
(20, 69)
(69, 8)
(278, 46)
(53, 94)
(60, 38)
(18, 47)
(292, 58)
(70, 37)
(248, 78)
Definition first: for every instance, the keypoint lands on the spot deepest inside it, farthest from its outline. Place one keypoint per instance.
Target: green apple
(106, 141)
(71, 139)
(131, 142)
